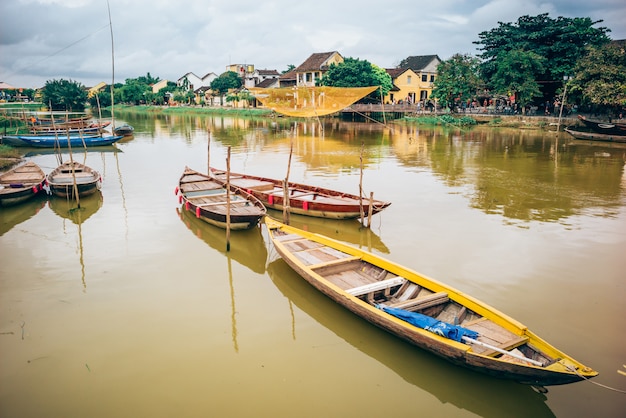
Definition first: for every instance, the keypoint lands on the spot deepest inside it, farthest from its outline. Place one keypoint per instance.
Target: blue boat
(51, 141)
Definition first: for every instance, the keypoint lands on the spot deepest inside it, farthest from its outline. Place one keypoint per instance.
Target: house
(159, 85)
(287, 79)
(190, 81)
(258, 77)
(315, 66)
(413, 78)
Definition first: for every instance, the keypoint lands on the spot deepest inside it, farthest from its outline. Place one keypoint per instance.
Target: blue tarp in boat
(453, 332)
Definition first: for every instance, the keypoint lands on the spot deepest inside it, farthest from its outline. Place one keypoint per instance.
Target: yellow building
(413, 79)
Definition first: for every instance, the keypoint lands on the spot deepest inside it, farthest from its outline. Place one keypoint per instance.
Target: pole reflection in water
(67, 209)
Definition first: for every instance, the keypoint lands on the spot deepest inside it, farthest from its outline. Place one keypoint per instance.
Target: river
(130, 306)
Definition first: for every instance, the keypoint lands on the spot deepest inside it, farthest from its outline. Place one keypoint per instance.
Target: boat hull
(303, 199)
(298, 250)
(20, 184)
(206, 198)
(594, 136)
(70, 179)
(73, 141)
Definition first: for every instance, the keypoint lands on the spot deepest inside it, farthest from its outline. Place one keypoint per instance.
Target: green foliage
(515, 73)
(353, 72)
(600, 76)
(446, 119)
(226, 81)
(561, 42)
(457, 80)
(65, 95)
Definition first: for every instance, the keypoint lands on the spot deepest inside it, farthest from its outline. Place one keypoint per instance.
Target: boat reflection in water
(246, 246)
(479, 394)
(69, 209)
(347, 230)
(11, 216)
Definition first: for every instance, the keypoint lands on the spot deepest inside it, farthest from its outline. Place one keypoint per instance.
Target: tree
(561, 42)
(457, 80)
(514, 75)
(65, 95)
(600, 76)
(223, 83)
(353, 72)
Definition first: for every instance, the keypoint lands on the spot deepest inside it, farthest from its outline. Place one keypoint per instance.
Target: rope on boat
(573, 369)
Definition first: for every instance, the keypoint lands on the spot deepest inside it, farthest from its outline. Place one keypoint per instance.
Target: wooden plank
(374, 287)
(508, 345)
(421, 303)
(334, 262)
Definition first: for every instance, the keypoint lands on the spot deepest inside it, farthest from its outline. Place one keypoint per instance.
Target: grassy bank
(9, 156)
(194, 110)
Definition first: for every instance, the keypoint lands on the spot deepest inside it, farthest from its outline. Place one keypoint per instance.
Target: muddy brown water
(130, 306)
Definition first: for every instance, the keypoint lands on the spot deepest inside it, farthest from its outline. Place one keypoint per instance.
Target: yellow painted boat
(423, 311)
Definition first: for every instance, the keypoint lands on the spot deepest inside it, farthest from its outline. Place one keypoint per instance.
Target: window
(432, 78)
(424, 78)
(408, 79)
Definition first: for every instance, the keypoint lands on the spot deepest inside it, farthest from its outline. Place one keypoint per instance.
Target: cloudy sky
(43, 40)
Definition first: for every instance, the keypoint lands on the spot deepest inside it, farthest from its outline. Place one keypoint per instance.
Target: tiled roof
(315, 61)
(417, 62)
(268, 72)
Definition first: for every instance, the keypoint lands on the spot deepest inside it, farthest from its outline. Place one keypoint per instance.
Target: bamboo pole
(112, 71)
(361, 185)
(208, 154)
(370, 210)
(228, 200)
(286, 186)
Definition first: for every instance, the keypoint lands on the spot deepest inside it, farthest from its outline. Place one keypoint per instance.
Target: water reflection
(246, 247)
(467, 390)
(11, 216)
(521, 175)
(69, 209)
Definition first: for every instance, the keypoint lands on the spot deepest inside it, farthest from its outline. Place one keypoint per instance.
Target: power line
(57, 52)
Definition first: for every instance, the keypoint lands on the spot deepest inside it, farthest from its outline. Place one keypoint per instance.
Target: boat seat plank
(376, 286)
(421, 302)
(334, 262)
(252, 184)
(409, 290)
(308, 258)
(349, 279)
(223, 202)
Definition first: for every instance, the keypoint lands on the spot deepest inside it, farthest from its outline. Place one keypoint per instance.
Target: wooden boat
(424, 312)
(21, 183)
(124, 130)
(63, 178)
(303, 199)
(207, 198)
(610, 128)
(90, 129)
(594, 136)
(61, 141)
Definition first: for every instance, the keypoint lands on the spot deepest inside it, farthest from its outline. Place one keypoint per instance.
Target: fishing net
(309, 101)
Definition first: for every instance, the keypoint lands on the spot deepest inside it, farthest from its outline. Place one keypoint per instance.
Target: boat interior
(377, 286)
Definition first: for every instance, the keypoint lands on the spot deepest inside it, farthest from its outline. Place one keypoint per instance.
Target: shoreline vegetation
(10, 156)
